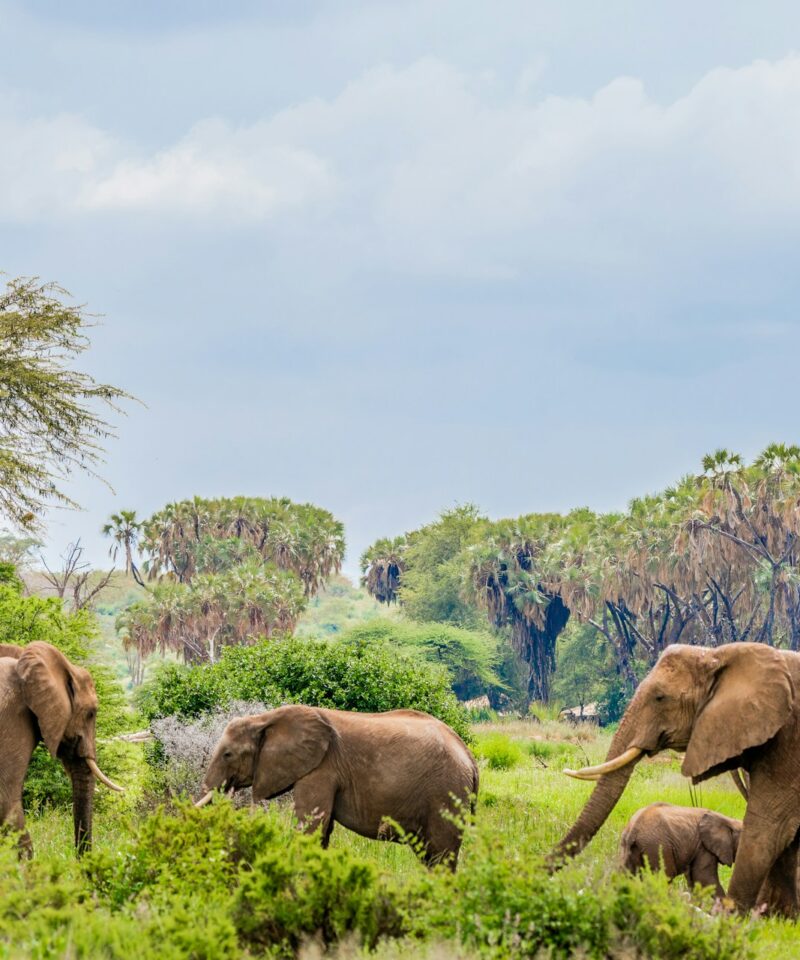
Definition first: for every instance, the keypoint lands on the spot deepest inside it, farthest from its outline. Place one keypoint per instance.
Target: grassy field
(525, 806)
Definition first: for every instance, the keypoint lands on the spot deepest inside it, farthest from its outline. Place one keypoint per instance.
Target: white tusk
(594, 773)
(207, 798)
(102, 777)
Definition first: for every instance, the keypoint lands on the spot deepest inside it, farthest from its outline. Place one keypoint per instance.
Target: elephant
(684, 841)
(44, 697)
(356, 769)
(727, 707)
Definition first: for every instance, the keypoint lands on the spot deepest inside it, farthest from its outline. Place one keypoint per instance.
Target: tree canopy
(50, 424)
(712, 559)
(229, 570)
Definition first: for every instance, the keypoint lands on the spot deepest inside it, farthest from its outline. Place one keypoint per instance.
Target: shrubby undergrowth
(221, 882)
(344, 675)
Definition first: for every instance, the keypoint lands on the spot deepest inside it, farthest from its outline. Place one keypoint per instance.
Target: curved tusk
(206, 798)
(736, 776)
(594, 773)
(102, 777)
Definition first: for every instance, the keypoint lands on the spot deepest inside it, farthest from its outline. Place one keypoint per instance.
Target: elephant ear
(750, 699)
(720, 836)
(294, 741)
(46, 689)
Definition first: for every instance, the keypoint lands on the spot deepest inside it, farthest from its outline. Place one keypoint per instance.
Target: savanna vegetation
(712, 559)
(229, 605)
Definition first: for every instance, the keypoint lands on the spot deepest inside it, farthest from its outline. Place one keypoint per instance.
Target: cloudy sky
(390, 256)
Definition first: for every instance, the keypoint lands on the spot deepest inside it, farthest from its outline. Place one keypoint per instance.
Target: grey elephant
(356, 769)
(44, 697)
(683, 841)
(726, 707)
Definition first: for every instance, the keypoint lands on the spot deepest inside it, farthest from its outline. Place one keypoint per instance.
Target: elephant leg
(762, 843)
(313, 807)
(704, 871)
(441, 843)
(14, 819)
(779, 891)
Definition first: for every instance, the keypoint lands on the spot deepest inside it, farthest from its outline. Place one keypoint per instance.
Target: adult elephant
(357, 769)
(728, 707)
(45, 697)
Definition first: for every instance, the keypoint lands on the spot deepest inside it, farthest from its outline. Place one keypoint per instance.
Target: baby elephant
(356, 769)
(690, 841)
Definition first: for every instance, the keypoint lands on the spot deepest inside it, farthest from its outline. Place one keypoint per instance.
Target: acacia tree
(50, 426)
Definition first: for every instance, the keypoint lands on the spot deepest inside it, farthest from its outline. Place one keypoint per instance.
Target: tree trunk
(537, 647)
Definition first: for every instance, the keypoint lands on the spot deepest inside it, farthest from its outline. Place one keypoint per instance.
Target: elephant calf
(688, 841)
(357, 769)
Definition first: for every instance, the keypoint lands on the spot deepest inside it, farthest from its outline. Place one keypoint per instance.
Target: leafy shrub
(505, 905)
(275, 885)
(470, 656)
(344, 675)
(500, 751)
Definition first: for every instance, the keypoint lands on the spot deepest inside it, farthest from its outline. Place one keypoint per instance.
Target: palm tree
(124, 529)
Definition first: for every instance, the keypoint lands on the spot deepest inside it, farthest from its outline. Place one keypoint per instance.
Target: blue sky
(388, 257)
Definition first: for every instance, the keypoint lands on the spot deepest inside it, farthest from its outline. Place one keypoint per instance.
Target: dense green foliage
(470, 656)
(342, 674)
(713, 559)
(218, 883)
(48, 410)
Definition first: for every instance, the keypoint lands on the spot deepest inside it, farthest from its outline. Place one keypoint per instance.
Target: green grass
(523, 809)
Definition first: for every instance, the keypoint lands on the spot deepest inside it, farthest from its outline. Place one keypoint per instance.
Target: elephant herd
(402, 774)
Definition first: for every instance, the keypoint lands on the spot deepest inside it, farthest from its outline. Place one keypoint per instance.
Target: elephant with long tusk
(727, 708)
(44, 697)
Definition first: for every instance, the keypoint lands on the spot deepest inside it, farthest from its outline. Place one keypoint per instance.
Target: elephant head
(270, 752)
(713, 703)
(63, 700)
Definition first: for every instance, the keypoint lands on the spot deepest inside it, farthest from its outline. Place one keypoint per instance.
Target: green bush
(469, 656)
(505, 905)
(500, 751)
(341, 674)
(264, 885)
(226, 883)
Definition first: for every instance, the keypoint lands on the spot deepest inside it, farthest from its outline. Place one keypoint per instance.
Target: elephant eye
(227, 754)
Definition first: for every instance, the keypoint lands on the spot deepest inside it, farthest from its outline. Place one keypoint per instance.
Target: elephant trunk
(82, 803)
(601, 802)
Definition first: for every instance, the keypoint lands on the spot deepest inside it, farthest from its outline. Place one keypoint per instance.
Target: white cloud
(215, 170)
(429, 167)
